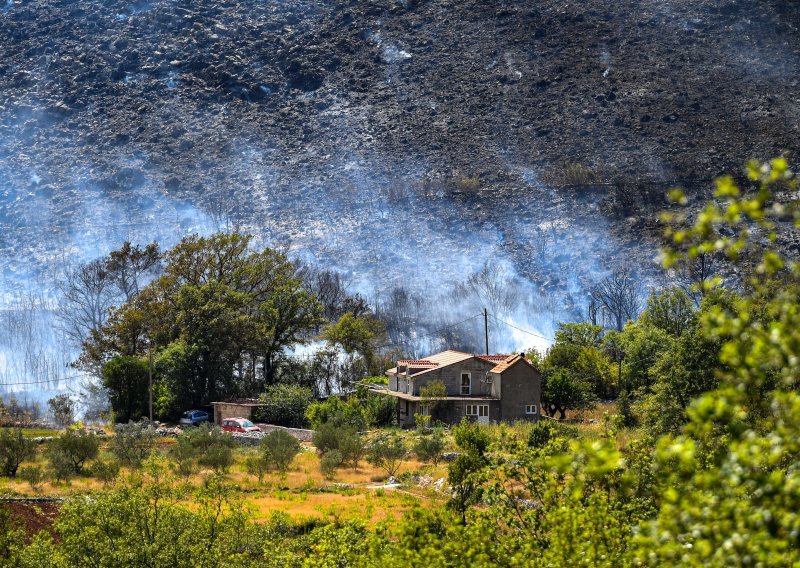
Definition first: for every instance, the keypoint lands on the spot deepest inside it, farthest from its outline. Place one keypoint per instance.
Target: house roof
(451, 357)
(509, 362)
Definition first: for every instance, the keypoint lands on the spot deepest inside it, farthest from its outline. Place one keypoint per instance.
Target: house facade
(485, 388)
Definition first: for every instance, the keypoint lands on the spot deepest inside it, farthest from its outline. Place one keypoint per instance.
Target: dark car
(194, 418)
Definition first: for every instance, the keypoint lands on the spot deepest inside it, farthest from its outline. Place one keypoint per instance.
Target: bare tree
(492, 287)
(620, 295)
(88, 292)
(694, 274)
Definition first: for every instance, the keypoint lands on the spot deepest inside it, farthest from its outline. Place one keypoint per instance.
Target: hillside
(420, 135)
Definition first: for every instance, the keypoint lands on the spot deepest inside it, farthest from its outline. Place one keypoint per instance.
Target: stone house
(486, 388)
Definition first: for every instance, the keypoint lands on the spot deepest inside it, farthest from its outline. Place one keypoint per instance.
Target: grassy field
(304, 493)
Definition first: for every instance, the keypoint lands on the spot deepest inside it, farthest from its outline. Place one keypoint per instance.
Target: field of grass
(305, 494)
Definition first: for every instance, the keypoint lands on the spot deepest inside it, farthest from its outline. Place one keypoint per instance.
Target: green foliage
(133, 442)
(204, 445)
(625, 413)
(279, 449)
(69, 452)
(353, 447)
(218, 305)
(10, 537)
(465, 473)
(257, 465)
(126, 379)
(669, 310)
(14, 449)
(62, 408)
(361, 410)
(388, 452)
(32, 474)
(357, 334)
(106, 471)
(329, 462)
(429, 447)
(284, 405)
(344, 439)
(563, 390)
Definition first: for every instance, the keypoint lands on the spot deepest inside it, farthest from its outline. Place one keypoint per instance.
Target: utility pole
(486, 328)
(150, 377)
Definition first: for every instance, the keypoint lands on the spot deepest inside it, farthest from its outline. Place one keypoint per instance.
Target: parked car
(239, 425)
(194, 418)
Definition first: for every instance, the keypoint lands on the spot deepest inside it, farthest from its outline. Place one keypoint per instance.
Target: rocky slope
(408, 138)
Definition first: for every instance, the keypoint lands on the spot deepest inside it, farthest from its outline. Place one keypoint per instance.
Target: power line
(520, 329)
(438, 331)
(42, 382)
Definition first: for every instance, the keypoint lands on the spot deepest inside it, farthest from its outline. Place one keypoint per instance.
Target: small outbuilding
(235, 408)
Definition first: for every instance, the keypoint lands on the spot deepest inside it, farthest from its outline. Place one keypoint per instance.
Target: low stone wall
(254, 438)
(300, 434)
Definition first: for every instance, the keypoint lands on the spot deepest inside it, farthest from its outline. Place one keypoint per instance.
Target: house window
(466, 384)
(425, 410)
(479, 410)
(530, 409)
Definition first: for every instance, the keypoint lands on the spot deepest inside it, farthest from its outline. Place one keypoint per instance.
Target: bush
(326, 437)
(280, 448)
(430, 448)
(106, 471)
(257, 465)
(133, 442)
(352, 446)
(329, 462)
(285, 405)
(72, 450)
(544, 431)
(388, 453)
(14, 449)
(204, 445)
(345, 439)
(337, 412)
(32, 474)
(469, 436)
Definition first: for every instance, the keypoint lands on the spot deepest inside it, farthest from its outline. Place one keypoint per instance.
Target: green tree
(72, 449)
(133, 442)
(670, 310)
(429, 447)
(388, 452)
(126, 379)
(465, 473)
(285, 405)
(63, 409)
(357, 334)
(279, 449)
(15, 448)
(563, 391)
(227, 311)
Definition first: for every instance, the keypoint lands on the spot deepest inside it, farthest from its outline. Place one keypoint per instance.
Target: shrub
(133, 442)
(14, 449)
(329, 462)
(430, 448)
(280, 448)
(337, 412)
(469, 436)
(285, 405)
(106, 471)
(379, 410)
(32, 474)
(546, 430)
(388, 453)
(352, 446)
(72, 450)
(575, 173)
(326, 437)
(204, 445)
(257, 465)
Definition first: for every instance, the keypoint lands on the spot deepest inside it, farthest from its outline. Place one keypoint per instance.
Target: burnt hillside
(315, 122)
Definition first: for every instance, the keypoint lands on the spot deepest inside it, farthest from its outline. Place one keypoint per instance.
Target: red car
(239, 425)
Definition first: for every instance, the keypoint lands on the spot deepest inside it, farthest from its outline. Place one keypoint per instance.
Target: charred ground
(271, 114)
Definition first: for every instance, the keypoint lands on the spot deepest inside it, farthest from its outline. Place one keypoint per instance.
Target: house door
(479, 411)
